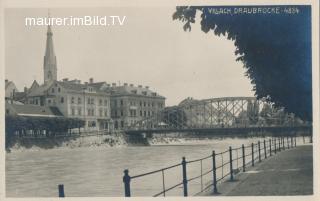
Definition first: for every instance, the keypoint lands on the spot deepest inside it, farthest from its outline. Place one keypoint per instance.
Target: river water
(97, 172)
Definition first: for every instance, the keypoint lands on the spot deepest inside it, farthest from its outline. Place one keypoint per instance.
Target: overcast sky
(149, 49)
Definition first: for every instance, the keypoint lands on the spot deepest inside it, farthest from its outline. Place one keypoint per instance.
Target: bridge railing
(223, 164)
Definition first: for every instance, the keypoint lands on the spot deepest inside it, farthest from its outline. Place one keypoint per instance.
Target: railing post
(231, 168)
(283, 144)
(291, 141)
(259, 151)
(215, 190)
(184, 176)
(61, 190)
(288, 144)
(295, 140)
(243, 159)
(252, 154)
(279, 145)
(275, 145)
(265, 149)
(270, 146)
(126, 180)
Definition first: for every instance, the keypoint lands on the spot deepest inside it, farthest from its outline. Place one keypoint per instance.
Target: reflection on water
(98, 171)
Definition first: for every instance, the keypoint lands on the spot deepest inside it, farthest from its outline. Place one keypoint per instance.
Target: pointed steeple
(50, 61)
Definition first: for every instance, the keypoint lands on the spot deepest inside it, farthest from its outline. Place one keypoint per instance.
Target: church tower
(50, 60)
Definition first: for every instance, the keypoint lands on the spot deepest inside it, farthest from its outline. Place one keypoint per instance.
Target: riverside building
(100, 105)
(72, 98)
(130, 104)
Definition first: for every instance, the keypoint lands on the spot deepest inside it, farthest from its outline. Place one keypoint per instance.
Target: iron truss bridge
(221, 115)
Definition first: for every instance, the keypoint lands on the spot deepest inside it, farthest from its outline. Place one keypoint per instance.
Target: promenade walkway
(290, 172)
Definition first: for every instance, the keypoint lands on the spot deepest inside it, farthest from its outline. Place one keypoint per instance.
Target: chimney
(86, 83)
(147, 87)
(25, 89)
(91, 80)
(125, 84)
(114, 84)
(6, 81)
(131, 85)
(65, 79)
(140, 86)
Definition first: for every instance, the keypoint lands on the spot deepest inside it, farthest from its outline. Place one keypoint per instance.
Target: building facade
(130, 104)
(75, 100)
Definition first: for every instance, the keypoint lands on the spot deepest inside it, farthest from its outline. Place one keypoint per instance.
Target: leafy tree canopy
(275, 50)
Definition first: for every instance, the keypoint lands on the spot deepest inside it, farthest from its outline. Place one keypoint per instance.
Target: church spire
(50, 61)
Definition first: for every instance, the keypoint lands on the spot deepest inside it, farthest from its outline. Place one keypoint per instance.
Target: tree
(275, 50)
(57, 124)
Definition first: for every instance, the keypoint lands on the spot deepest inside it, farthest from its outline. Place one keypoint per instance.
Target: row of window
(90, 112)
(53, 90)
(133, 113)
(90, 101)
(141, 103)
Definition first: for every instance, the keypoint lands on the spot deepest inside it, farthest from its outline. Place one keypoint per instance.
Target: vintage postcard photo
(206, 100)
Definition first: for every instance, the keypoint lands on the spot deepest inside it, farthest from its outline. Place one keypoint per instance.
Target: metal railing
(232, 161)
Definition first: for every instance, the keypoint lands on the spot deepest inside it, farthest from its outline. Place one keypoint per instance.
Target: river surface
(97, 172)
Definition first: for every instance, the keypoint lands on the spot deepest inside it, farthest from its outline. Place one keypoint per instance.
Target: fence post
(61, 190)
(231, 168)
(265, 149)
(259, 151)
(270, 146)
(215, 190)
(184, 176)
(243, 159)
(252, 153)
(126, 180)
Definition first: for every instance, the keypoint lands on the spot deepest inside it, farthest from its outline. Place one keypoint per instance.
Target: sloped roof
(71, 86)
(35, 110)
(41, 90)
(79, 87)
(97, 85)
(132, 90)
(19, 95)
(34, 85)
(188, 101)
